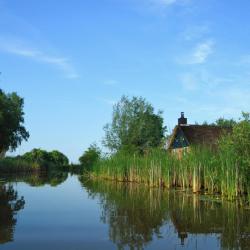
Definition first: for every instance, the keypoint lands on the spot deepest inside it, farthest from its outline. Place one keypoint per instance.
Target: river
(68, 212)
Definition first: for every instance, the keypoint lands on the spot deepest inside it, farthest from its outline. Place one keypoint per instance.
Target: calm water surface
(71, 213)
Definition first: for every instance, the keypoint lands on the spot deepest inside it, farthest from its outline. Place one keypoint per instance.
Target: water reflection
(10, 204)
(137, 215)
(52, 178)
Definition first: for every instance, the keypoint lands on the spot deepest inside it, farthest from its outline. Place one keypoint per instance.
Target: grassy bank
(200, 170)
(15, 165)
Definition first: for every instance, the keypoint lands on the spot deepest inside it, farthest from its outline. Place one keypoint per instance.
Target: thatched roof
(199, 134)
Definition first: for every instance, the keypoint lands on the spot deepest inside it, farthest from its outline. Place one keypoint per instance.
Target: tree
(134, 127)
(37, 155)
(12, 130)
(58, 158)
(221, 122)
(45, 158)
(90, 157)
(227, 123)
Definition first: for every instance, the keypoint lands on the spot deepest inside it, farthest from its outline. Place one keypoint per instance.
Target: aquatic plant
(201, 170)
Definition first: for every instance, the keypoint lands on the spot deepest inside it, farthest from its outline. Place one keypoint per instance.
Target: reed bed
(200, 170)
(15, 165)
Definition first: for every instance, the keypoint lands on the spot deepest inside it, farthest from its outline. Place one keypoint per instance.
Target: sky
(72, 60)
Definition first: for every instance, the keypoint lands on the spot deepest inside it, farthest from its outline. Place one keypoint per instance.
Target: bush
(90, 157)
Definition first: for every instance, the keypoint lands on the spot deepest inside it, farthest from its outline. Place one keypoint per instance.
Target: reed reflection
(137, 215)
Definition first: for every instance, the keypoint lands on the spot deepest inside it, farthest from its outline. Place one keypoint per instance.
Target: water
(72, 213)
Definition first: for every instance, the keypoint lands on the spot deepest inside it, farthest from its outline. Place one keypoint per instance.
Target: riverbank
(16, 165)
(201, 170)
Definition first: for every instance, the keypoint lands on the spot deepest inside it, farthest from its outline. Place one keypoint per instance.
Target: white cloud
(195, 32)
(202, 51)
(17, 48)
(203, 79)
(199, 54)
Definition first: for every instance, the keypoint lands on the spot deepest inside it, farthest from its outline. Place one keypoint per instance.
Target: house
(185, 135)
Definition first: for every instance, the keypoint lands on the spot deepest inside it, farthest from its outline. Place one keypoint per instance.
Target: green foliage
(226, 123)
(134, 127)
(34, 161)
(221, 122)
(237, 145)
(12, 130)
(37, 155)
(90, 157)
(9, 165)
(225, 171)
(58, 158)
(46, 159)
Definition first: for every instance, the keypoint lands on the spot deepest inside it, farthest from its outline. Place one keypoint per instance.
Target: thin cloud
(19, 49)
(200, 53)
(195, 32)
(202, 79)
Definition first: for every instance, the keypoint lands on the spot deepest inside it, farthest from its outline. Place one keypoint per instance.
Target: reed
(16, 165)
(200, 170)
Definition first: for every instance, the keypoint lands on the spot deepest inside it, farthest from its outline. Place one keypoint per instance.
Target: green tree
(221, 122)
(58, 158)
(45, 158)
(12, 130)
(38, 155)
(90, 157)
(134, 127)
(227, 123)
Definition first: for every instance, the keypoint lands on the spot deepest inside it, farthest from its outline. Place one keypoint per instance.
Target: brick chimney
(182, 120)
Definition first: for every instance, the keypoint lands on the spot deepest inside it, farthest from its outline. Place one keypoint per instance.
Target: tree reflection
(193, 215)
(52, 178)
(136, 215)
(10, 204)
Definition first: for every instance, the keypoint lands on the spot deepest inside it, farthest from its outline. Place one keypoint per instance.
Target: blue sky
(71, 60)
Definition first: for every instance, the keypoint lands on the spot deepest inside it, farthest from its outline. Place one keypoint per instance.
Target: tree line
(135, 128)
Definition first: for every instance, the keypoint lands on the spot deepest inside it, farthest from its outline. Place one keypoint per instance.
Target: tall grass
(201, 170)
(16, 165)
